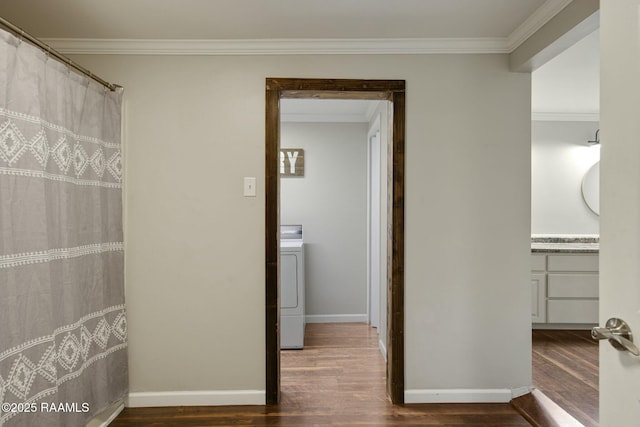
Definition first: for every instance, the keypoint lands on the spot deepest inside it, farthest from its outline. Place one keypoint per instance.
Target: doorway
(389, 90)
(565, 143)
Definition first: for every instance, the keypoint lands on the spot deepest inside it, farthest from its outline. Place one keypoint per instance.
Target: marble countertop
(565, 244)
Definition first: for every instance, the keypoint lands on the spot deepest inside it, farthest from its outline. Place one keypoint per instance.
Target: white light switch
(250, 186)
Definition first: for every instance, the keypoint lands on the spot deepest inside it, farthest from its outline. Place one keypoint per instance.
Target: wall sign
(291, 162)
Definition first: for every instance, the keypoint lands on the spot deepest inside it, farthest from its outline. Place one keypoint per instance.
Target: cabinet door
(538, 298)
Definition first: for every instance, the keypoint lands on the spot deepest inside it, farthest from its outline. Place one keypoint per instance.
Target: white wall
(330, 203)
(560, 157)
(195, 246)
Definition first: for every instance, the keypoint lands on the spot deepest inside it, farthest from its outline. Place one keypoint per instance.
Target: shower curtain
(63, 330)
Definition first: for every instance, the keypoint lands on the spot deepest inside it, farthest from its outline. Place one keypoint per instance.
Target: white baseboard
(500, 395)
(383, 349)
(196, 398)
(336, 318)
(520, 391)
(105, 418)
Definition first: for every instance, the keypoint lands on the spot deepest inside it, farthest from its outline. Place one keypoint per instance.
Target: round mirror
(591, 188)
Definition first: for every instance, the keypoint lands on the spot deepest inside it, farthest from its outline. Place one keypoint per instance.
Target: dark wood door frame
(393, 91)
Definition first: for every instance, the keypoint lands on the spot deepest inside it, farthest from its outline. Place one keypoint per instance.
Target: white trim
(280, 46)
(196, 398)
(383, 349)
(534, 22)
(324, 118)
(520, 391)
(565, 117)
(113, 416)
(336, 318)
(105, 418)
(498, 395)
(314, 46)
(561, 417)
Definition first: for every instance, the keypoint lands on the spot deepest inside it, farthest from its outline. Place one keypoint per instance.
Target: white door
(620, 206)
(374, 229)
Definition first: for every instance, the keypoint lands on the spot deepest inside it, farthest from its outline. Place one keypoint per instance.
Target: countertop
(565, 244)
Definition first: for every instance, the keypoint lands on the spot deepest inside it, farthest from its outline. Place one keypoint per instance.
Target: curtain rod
(21, 34)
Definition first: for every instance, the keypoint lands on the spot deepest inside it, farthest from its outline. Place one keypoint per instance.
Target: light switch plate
(250, 186)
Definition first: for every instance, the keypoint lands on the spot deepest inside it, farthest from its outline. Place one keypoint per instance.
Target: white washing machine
(291, 287)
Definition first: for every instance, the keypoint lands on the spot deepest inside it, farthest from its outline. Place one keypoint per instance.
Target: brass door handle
(619, 335)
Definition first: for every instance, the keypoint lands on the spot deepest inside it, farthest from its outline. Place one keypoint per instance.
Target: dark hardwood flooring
(565, 369)
(337, 380)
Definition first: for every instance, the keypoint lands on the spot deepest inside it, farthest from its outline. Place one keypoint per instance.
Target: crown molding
(565, 117)
(399, 46)
(534, 22)
(279, 46)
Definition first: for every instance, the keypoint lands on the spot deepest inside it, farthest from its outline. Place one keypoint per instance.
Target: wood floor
(565, 369)
(339, 380)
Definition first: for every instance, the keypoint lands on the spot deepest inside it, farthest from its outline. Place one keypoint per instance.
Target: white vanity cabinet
(564, 289)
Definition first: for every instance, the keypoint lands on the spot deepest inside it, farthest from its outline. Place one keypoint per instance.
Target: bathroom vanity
(564, 282)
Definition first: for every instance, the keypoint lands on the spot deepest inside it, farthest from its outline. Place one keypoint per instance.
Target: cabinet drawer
(573, 286)
(538, 262)
(572, 311)
(572, 263)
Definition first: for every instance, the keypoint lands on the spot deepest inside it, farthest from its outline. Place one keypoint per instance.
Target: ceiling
(273, 19)
(567, 88)
(566, 84)
(327, 110)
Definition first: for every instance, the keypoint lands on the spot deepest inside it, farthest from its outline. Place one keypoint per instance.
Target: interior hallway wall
(195, 126)
(330, 203)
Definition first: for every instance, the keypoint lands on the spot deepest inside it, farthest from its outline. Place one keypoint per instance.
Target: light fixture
(596, 141)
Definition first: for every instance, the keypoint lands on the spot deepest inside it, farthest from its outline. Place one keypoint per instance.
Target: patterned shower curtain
(63, 330)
